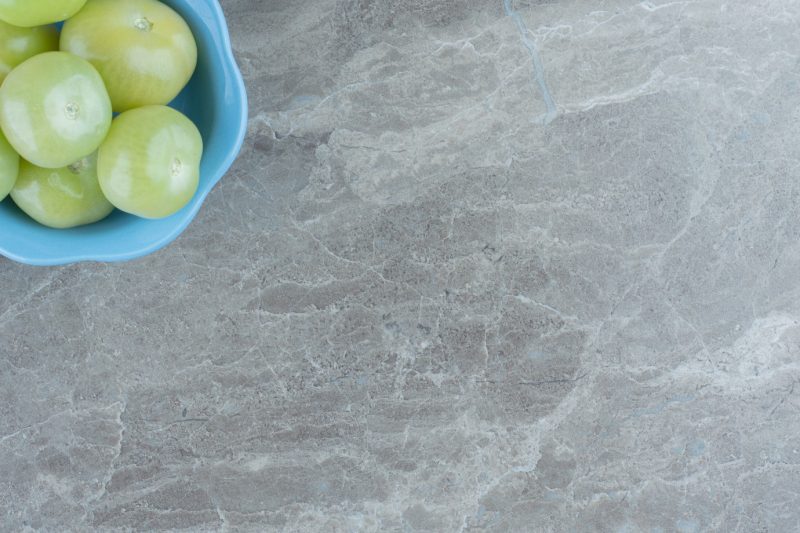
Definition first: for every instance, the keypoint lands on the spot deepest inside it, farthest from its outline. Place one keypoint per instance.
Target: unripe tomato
(54, 109)
(27, 13)
(144, 50)
(150, 163)
(61, 197)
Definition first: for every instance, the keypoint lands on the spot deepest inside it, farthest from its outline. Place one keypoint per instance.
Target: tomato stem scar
(143, 24)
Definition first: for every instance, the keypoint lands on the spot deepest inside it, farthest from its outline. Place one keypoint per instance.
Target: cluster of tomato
(65, 159)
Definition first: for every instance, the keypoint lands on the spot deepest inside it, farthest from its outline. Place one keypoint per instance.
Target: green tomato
(149, 165)
(61, 197)
(9, 167)
(29, 13)
(54, 109)
(18, 44)
(144, 50)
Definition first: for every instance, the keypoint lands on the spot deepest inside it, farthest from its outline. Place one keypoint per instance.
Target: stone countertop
(481, 266)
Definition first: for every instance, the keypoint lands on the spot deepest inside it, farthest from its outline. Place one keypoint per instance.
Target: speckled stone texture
(485, 266)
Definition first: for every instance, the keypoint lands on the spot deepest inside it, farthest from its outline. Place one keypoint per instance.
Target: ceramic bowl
(215, 100)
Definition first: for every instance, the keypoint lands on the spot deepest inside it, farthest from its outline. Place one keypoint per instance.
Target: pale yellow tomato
(61, 197)
(18, 44)
(149, 165)
(54, 109)
(29, 13)
(143, 49)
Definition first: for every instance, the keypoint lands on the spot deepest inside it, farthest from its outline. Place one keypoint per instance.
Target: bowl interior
(215, 101)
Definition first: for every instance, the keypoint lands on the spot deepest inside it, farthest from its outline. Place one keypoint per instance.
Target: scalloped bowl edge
(233, 75)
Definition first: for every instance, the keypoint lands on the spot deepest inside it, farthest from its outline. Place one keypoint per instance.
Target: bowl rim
(232, 72)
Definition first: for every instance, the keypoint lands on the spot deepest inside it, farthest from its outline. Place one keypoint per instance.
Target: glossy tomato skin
(143, 49)
(149, 165)
(27, 13)
(9, 167)
(61, 197)
(18, 44)
(54, 109)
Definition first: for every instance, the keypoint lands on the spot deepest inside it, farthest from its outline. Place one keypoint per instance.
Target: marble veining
(538, 68)
(524, 265)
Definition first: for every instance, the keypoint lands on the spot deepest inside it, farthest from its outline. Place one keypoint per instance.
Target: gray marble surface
(481, 266)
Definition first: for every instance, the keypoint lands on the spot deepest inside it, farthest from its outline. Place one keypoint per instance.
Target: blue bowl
(215, 100)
